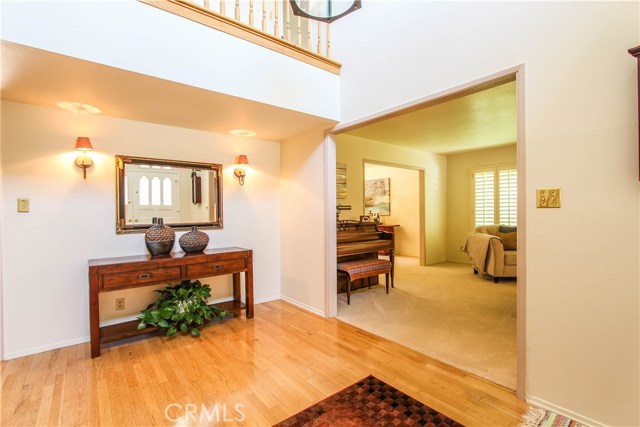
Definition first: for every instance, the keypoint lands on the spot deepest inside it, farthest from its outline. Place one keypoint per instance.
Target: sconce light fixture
(84, 161)
(240, 172)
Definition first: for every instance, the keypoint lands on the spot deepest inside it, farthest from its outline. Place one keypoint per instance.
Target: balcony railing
(269, 23)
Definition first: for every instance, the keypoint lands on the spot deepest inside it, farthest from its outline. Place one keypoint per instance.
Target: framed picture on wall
(341, 181)
(377, 196)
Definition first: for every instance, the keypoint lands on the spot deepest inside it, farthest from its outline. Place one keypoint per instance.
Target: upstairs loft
(267, 23)
(130, 55)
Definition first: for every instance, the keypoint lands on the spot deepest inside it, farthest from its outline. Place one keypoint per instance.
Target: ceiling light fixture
(324, 10)
(245, 133)
(78, 107)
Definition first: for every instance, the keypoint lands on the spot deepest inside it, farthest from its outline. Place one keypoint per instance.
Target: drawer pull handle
(144, 276)
(217, 267)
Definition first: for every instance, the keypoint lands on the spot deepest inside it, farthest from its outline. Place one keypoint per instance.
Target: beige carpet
(446, 312)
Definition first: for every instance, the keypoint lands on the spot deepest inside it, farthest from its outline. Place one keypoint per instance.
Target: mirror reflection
(184, 194)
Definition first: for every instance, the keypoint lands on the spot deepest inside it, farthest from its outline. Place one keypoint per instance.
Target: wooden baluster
(319, 47)
(264, 15)
(309, 45)
(328, 40)
(251, 13)
(276, 30)
(222, 7)
(237, 14)
(299, 30)
(206, 4)
(287, 20)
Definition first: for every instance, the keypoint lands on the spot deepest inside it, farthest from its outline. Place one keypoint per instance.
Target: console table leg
(94, 314)
(248, 283)
(236, 287)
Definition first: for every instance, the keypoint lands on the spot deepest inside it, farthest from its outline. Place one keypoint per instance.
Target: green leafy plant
(183, 307)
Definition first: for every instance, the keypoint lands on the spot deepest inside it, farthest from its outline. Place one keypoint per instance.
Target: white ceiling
(476, 119)
(38, 77)
(479, 118)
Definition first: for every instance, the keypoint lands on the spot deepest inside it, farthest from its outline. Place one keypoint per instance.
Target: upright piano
(359, 240)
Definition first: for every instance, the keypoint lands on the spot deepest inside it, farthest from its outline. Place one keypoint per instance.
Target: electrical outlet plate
(119, 304)
(23, 205)
(548, 198)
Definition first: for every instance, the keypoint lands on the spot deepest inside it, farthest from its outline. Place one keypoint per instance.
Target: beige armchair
(493, 251)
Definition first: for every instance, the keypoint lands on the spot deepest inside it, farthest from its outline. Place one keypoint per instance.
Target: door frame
(421, 197)
(331, 301)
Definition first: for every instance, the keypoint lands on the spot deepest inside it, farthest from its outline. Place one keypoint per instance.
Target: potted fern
(183, 307)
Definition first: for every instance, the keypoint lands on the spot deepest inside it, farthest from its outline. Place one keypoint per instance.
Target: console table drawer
(128, 278)
(214, 268)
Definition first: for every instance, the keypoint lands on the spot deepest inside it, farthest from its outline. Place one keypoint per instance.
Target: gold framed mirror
(184, 194)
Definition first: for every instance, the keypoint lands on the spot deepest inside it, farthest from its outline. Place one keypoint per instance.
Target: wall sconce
(84, 161)
(240, 172)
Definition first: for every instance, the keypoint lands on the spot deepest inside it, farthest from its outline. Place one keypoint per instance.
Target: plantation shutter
(508, 196)
(484, 197)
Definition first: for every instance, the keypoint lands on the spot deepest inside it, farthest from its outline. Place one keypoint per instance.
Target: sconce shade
(242, 159)
(239, 172)
(83, 143)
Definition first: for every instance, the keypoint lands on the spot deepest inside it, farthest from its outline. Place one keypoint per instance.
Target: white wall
(405, 205)
(303, 223)
(73, 220)
(150, 41)
(460, 193)
(1, 245)
(354, 151)
(580, 107)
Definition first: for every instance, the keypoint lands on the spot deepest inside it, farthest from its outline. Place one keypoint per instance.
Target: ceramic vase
(194, 241)
(159, 238)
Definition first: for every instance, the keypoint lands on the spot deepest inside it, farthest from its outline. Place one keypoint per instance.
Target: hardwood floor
(238, 373)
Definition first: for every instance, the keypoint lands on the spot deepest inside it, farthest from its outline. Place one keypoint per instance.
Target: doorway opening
(449, 216)
(404, 216)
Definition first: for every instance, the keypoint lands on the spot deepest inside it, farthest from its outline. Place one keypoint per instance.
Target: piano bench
(361, 268)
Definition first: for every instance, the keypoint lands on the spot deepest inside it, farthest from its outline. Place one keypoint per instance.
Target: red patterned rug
(369, 403)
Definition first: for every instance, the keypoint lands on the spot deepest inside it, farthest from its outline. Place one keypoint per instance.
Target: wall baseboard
(563, 411)
(46, 347)
(303, 306)
(266, 299)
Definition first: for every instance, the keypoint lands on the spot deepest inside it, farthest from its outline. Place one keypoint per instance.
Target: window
(144, 191)
(166, 192)
(495, 195)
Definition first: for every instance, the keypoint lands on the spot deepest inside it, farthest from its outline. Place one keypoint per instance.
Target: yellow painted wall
(405, 205)
(354, 151)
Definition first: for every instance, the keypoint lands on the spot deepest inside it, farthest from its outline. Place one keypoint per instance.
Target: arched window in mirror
(144, 191)
(155, 191)
(166, 192)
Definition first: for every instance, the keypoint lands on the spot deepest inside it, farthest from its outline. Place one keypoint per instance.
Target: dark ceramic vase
(159, 238)
(194, 241)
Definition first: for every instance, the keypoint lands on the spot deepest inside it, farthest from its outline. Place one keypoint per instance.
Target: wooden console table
(112, 274)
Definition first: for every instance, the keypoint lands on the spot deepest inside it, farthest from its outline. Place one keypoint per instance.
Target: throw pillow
(510, 240)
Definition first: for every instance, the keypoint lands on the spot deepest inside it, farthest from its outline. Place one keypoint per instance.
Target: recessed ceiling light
(246, 133)
(78, 107)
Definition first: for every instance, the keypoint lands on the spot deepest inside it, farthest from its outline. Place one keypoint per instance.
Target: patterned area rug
(369, 403)
(536, 417)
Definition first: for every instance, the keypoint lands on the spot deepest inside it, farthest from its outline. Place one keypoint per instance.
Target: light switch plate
(23, 205)
(548, 198)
